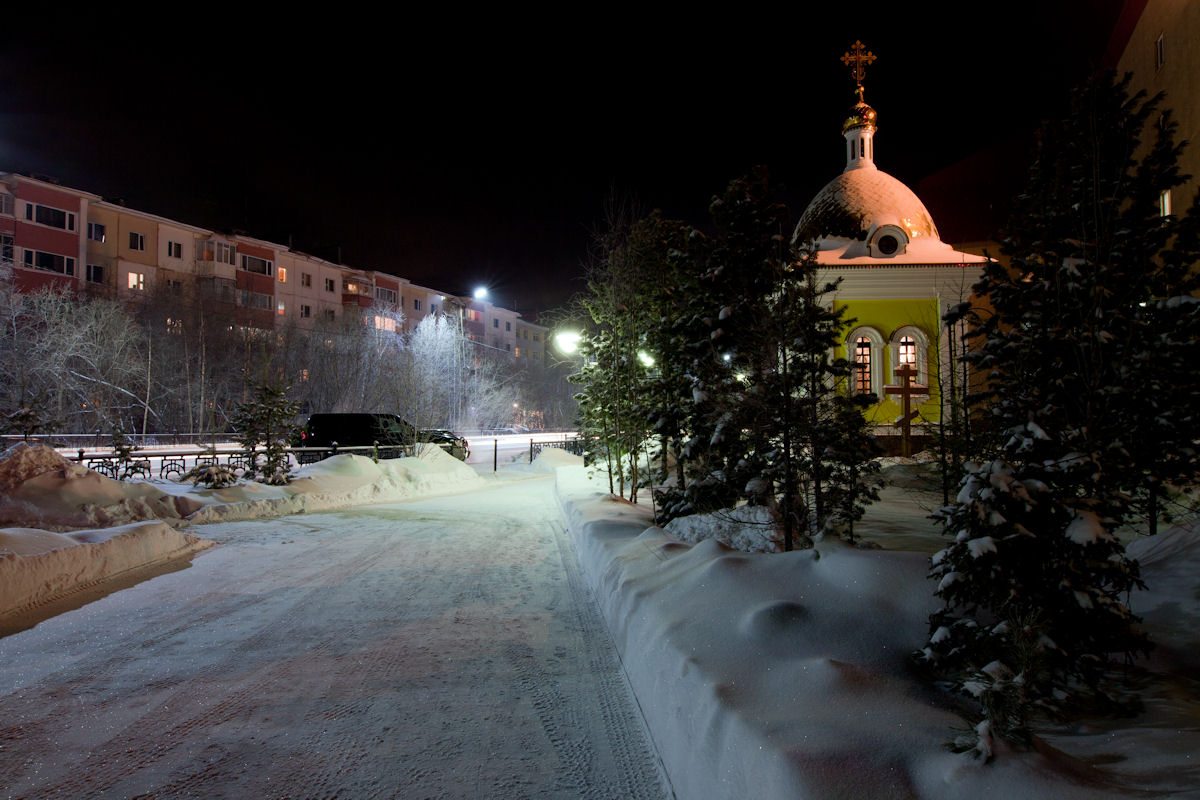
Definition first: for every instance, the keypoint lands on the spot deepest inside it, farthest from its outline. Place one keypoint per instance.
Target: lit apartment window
(96, 231)
(94, 273)
(259, 266)
(136, 281)
(304, 376)
(473, 315)
(279, 309)
(137, 241)
(1164, 203)
(50, 262)
(306, 280)
(329, 285)
(283, 274)
(175, 249)
(52, 217)
(7, 205)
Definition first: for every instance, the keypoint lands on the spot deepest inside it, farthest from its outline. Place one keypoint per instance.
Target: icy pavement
(437, 648)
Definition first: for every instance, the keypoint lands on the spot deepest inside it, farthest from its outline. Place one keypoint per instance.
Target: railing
(174, 464)
(573, 446)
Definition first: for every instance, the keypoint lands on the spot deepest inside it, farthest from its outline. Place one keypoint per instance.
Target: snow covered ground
(783, 675)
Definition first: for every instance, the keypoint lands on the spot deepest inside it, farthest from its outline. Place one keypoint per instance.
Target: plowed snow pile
(42, 495)
(72, 528)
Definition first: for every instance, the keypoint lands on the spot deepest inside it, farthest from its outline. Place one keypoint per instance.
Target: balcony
(357, 292)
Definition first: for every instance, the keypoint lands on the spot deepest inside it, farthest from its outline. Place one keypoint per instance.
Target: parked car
(386, 430)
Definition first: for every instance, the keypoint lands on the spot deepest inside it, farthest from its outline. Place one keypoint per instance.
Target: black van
(390, 431)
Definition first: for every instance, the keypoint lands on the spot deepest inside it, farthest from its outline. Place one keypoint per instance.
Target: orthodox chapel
(897, 277)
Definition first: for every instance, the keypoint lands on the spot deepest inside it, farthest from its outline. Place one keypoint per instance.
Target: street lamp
(481, 292)
(567, 342)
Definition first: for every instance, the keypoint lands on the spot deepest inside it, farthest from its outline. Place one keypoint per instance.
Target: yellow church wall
(887, 317)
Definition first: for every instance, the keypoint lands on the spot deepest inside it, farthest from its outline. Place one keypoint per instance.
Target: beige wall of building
(1163, 53)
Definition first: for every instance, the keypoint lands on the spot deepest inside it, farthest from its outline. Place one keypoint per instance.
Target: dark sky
(464, 148)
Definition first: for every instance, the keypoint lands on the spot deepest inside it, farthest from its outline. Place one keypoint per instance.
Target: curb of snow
(780, 675)
(92, 557)
(683, 710)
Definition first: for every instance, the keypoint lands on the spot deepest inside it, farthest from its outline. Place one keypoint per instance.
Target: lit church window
(862, 365)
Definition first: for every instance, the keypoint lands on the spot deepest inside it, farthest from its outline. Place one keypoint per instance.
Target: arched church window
(910, 345)
(862, 365)
(864, 349)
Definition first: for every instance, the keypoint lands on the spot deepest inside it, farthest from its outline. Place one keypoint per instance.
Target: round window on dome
(888, 245)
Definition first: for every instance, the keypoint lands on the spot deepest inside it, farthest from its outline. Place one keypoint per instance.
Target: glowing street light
(646, 359)
(567, 341)
(481, 292)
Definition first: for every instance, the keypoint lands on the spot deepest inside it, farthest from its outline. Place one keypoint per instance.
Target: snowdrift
(37, 567)
(39, 488)
(785, 675)
(339, 482)
(72, 528)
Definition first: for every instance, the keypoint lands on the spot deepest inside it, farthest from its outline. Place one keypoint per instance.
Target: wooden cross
(907, 373)
(858, 58)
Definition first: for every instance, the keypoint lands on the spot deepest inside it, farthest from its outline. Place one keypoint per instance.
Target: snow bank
(1170, 604)
(41, 489)
(785, 675)
(338, 482)
(42, 495)
(38, 566)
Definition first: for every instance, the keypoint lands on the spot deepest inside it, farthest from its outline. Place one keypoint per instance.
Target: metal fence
(174, 464)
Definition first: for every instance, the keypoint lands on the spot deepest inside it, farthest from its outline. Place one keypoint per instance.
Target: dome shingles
(854, 202)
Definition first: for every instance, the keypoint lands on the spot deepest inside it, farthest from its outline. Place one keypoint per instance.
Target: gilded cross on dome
(858, 58)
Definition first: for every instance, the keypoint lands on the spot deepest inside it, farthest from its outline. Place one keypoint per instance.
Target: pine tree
(268, 418)
(1089, 359)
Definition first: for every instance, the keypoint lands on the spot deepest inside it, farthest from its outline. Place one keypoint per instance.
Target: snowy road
(439, 648)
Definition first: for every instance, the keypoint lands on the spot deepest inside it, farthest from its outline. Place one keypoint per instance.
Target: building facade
(54, 237)
(896, 277)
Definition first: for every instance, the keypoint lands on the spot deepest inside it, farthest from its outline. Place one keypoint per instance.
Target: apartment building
(1155, 40)
(42, 229)
(59, 237)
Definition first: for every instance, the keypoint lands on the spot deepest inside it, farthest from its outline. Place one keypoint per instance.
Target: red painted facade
(29, 235)
(253, 282)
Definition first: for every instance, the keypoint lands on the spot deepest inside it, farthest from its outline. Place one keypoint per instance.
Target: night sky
(463, 148)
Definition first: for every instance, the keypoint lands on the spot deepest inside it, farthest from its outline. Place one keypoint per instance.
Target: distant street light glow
(567, 341)
(646, 359)
(481, 293)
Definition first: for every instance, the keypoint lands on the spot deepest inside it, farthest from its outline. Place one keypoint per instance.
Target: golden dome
(861, 115)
